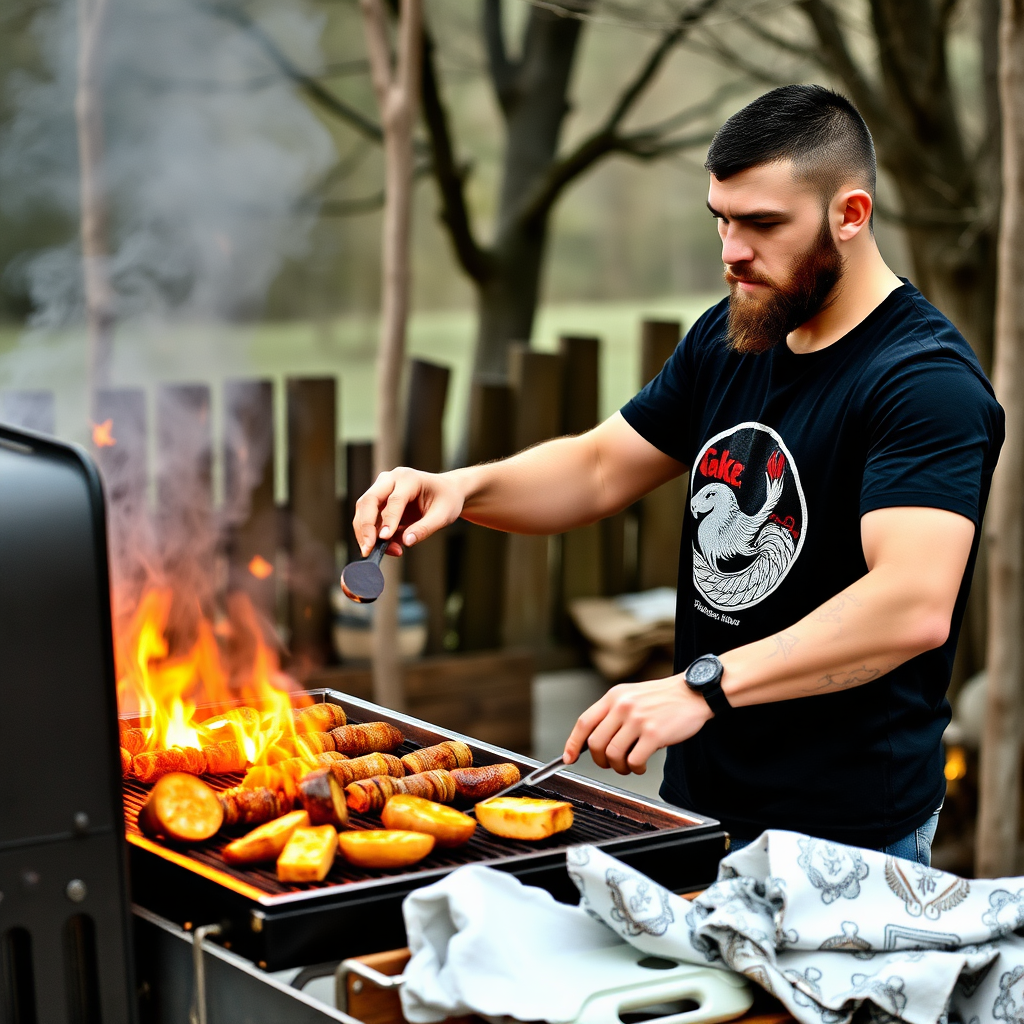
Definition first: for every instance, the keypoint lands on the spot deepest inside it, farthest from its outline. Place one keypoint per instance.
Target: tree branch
(733, 60)
(307, 84)
(808, 53)
(449, 175)
(503, 71)
(840, 60)
(652, 65)
(646, 143)
(379, 52)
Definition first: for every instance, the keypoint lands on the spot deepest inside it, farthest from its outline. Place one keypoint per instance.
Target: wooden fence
(513, 591)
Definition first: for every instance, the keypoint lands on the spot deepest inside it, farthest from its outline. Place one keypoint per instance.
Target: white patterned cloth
(832, 931)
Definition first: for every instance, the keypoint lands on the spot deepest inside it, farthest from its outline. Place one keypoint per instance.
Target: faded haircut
(821, 131)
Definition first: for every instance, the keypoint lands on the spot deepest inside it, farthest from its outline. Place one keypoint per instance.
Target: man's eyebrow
(753, 215)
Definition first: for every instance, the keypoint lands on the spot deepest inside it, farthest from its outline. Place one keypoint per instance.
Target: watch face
(702, 672)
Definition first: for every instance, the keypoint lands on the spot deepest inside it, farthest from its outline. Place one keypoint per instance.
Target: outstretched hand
(406, 504)
(633, 720)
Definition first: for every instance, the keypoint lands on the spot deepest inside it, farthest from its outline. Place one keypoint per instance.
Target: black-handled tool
(363, 581)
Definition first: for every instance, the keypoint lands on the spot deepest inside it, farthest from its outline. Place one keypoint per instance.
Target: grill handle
(347, 967)
(198, 1012)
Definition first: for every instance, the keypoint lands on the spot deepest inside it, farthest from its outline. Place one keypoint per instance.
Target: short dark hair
(821, 131)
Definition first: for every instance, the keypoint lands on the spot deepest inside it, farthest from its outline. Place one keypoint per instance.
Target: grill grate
(590, 824)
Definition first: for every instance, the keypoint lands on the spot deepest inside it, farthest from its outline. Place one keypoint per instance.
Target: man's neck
(865, 283)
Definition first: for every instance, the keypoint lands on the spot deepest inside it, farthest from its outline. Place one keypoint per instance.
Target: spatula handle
(378, 550)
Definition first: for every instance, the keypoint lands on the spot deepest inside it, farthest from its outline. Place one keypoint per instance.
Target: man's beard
(757, 324)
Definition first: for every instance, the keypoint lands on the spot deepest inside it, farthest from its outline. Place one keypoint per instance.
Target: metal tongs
(538, 775)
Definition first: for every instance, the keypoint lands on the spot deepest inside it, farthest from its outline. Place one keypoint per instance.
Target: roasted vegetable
(225, 757)
(265, 842)
(523, 817)
(318, 718)
(372, 794)
(366, 767)
(477, 784)
(367, 738)
(154, 764)
(449, 754)
(133, 740)
(181, 807)
(251, 806)
(323, 798)
(384, 849)
(414, 814)
(308, 855)
(274, 777)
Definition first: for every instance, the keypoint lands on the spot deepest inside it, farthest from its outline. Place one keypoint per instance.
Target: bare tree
(999, 810)
(397, 89)
(99, 296)
(533, 96)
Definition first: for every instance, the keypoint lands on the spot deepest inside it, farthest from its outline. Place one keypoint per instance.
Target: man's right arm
(550, 488)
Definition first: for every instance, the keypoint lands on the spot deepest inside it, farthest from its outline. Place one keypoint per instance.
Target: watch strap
(716, 699)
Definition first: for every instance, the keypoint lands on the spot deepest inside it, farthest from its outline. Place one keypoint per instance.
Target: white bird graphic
(725, 532)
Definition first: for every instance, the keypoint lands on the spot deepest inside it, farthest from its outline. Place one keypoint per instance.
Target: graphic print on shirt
(752, 516)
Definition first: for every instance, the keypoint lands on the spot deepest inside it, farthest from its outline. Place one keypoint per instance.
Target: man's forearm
(864, 632)
(564, 483)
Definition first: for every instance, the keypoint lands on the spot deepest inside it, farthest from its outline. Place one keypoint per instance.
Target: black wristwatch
(704, 676)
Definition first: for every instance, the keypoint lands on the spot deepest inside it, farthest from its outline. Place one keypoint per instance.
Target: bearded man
(841, 437)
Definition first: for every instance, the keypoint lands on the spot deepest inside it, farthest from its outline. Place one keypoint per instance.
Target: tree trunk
(533, 95)
(398, 97)
(99, 296)
(999, 811)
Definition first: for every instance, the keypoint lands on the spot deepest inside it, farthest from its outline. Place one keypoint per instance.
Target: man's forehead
(766, 188)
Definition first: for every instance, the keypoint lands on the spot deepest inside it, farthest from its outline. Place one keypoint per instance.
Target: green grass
(344, 347)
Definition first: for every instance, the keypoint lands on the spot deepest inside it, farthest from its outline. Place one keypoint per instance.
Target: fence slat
(312, 499)
(358, 477)
(483, 552)
(661, 511)
(581, 562)
(30, 410)
(120, 450)
(426, 563)
(536, 380)
(250, 514)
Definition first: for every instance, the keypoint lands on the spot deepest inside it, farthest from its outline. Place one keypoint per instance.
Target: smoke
(210, 157)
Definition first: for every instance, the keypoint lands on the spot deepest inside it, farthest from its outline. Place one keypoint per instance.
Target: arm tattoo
(784, 643)
(829, 612)
(845, 680)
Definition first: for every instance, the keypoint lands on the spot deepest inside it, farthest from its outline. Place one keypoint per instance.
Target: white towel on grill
(829, 929)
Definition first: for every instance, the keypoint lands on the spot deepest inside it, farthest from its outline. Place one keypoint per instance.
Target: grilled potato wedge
(308, 854)
(265, 842)
(524, 817)
(385, 848)
(417, 814)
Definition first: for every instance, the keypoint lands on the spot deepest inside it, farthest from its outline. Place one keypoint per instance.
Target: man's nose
(734, 249)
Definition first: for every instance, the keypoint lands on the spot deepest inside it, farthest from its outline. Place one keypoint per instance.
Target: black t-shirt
(787, 452)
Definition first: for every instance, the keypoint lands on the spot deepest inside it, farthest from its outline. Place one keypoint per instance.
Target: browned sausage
(126, 763)
(365, 767)
(448, 755)
(318, 718)
(372, 794)
(133, 740)
(479, 783)
(369, 738)
(225, 757)
(251, 806)
(154, 764)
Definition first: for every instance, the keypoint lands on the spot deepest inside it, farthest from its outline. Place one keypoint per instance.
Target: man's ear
(852, 212)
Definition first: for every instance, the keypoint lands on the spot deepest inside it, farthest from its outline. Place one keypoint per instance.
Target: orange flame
(260, 567)
(102, 434)
(194, 700)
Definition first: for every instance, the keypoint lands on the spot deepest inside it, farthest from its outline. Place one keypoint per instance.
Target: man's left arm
(902, 607)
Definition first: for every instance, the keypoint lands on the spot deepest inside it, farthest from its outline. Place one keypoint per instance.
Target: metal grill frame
(331, 921)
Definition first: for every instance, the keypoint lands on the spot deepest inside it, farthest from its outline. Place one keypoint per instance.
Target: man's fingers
(402, 493)
(364, 523)
(435, 517)
(641, 753)
(584, 726)
(618, 748)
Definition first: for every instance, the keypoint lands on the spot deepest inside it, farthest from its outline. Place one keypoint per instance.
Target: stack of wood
(625, 631)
